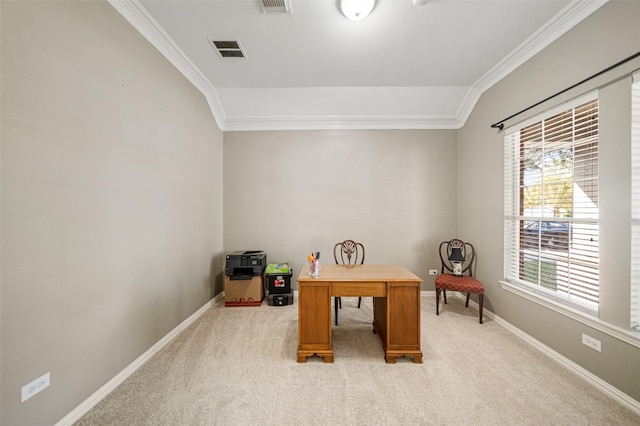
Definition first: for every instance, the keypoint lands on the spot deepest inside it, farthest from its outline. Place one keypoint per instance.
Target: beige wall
(111, 202)
(112, 186)
(291, 193)
(608, 36)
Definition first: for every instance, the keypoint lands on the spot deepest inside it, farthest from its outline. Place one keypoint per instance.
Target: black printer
(242, 265)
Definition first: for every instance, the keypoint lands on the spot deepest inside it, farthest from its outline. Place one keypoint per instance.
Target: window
(551, 204)
(635, 202)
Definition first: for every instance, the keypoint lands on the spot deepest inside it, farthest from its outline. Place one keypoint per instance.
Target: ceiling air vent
(276, 6)
(228, 48)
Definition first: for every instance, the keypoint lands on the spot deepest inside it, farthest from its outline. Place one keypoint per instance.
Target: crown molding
(574, 13)
(467, 105)
(145, 24)
(341, 123)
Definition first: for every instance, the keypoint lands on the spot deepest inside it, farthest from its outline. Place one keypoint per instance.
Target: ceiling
(406, 66)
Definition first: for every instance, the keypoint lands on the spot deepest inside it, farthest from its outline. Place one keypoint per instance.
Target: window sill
(627, 336)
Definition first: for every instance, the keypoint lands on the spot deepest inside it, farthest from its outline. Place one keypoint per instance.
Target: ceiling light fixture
(357, 10)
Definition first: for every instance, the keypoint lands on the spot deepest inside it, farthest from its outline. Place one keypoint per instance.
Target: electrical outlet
(594, 344)
(433, 272)
(34, 387)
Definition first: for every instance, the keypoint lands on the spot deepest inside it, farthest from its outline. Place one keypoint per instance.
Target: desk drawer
(363, 289)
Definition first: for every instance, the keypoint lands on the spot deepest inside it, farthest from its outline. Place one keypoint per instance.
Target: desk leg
(402, 333)
(380, 319)
(314, 321)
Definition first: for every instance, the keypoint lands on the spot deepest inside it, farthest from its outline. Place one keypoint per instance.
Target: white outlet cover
(591, 342)
(34, 387)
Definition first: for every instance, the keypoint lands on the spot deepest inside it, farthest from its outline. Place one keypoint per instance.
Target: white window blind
(635, 202)
(551, 204)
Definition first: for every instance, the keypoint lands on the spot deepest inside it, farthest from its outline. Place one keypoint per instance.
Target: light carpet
(237, 366)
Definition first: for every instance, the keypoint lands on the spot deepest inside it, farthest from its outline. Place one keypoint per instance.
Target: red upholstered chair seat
(465, 257)
(464, 284)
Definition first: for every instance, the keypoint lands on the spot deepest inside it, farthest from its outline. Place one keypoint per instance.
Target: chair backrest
(348, 252)
(468, 252)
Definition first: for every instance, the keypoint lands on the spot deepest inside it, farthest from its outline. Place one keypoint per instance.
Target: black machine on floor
(242, 265)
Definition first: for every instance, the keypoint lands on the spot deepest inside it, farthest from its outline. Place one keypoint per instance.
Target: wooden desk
(396, 308)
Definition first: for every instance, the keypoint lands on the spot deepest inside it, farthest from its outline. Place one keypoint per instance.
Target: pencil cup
(314, 267)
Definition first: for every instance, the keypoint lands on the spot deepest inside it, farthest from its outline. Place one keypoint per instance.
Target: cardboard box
(243, 292)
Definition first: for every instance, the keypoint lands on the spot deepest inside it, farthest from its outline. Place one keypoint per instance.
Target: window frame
(634, 296)
(514, 238)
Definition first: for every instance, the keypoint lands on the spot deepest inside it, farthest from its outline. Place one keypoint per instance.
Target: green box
(278, 268)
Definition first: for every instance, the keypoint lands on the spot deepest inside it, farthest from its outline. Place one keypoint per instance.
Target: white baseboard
(101, 393)
(591, 378)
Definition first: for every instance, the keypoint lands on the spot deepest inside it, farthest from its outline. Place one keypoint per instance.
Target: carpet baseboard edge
(108, 387)
(583, 373)
(586, 375)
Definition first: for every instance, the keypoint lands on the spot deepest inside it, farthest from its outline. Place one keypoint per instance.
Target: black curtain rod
(500, 124)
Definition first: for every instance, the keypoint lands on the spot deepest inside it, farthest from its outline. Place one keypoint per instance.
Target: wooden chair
(465, 283)
(347, 252)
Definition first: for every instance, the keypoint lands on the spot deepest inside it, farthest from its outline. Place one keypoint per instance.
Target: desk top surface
(366, 272)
